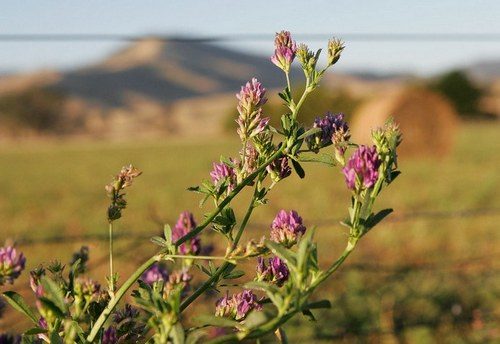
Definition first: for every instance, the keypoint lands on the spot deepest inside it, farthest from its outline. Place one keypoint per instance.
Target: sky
(218, 17)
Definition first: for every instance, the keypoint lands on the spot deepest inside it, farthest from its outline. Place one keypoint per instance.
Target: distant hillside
(167, 71)
(487, 71)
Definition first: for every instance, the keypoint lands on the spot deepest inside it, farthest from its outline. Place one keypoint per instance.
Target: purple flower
(285, 50)
(154, 274)
(276, 272)
(333, 130)
(11, 264)
(237, 306)
(251, 96)
(286, 228)
(109, 336)
(279, 169)
(223, 172)
(361, 171)
(184, 225)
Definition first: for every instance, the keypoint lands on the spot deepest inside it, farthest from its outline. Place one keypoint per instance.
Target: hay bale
(427, 120)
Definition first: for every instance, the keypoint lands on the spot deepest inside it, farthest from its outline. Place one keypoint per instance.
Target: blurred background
(86, 87)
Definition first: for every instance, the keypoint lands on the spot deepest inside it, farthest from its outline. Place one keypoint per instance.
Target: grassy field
(427, 275)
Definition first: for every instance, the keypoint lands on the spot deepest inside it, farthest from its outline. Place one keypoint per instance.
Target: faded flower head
(276, 271)
(335, 47)
(154, 274)
(307, 58)
(287, 228)
(237, 306)
(223, 173)
(333, 130)
(285, 50)
(279, 169)
(114, 190)
(361, 171)
(11, 264)
(184, 225)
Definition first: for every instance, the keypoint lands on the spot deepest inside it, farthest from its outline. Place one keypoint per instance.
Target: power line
(348, 36)
(403, 217)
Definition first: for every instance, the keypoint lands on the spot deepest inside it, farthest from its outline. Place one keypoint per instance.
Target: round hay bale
(427, 120)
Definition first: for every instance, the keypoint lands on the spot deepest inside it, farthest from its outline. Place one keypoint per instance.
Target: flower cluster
(114, 190)
(250, 100)
(275, 272)
(237, 306)
(333, 130)
(285, 50)
(287, 228)
(11, 264)
(184, 225)
(361, 171)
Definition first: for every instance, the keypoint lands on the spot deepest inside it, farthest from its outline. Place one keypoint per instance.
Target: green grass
(52, 189)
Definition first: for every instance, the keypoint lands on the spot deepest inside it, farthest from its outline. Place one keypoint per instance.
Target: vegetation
(38, 109)
(461, 91)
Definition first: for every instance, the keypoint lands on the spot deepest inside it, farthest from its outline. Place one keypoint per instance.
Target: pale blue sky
(232, 17)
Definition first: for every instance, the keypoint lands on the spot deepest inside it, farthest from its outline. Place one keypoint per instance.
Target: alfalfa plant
(72, 308)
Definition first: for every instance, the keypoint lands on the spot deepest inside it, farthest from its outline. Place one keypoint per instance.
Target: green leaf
(281, 252)
(255, 319)
(55, 338)
(303, 249)
(52, 306)
(212, 320)
(54, 292)
(234, 274)
(159, 241)
(373, 220)
(167, 233)
(18, 303)
(309, 315)
(298, 169)
(322, 158)
(319, 305)
(178, 335)
(34, 331)
(394, 175)
(310, 132)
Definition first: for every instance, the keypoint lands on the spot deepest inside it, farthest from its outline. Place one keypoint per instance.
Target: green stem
(111, 272)
(118, 295)
(215, 277)
(289, 85)
(231, 195)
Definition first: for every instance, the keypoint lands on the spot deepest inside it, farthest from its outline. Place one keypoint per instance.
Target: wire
(348, 36)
